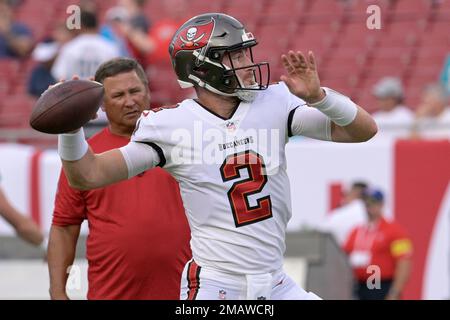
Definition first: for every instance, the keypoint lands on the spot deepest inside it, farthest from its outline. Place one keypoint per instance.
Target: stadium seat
(402, 33)
(352, 35)
(397, 57)
(423, 75)
(9, 67)
(441, 12)
(280, 8)
(276, 35)
(16, 112)
(363, 96)
(321, 7)
(317, 37)
(431, 57)
(437, 34)
(411, 9)
(412, 43)
(5, 87)
(413, 95)
(357, 10)
(252, 7)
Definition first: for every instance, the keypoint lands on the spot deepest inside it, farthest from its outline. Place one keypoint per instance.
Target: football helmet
(200, 55)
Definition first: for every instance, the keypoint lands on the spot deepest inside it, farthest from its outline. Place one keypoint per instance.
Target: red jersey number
(243, 213)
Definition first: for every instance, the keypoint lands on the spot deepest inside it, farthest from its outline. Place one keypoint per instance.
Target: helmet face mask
(201, 55)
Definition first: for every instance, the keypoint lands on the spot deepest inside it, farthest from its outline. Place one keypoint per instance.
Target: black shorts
(362, 292)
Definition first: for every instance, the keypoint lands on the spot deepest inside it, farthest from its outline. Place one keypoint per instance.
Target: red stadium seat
(392, 57)
(346, 56)
(412, 43)
(402, 33)
(423, 75)
(411, 9)
(437, 34)
(327, 7)
(441, 12)
(196, 7)
(277, 35)
(413, 94)
(252, 7)
(5, 87)
(344, 84)
(431, 57)
(16, 111)
(357, 10)
(317, 37)
(363, 96)
(285, 8)
(352, 35)
(9, 67)
(322, 10)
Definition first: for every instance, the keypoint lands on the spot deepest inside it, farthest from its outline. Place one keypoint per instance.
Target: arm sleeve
(140, 156)
(305, 121)
(70, 207)
(309, 122)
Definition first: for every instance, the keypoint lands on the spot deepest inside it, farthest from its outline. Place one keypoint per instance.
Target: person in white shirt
(84, 54)
(433, 114)
(227, 151)
(394, 120)
(340, 221)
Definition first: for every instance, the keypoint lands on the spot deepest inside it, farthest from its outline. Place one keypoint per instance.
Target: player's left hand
(302, 78)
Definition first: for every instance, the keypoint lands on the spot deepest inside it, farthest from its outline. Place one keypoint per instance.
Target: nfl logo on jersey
(222, 294)
(230, 126)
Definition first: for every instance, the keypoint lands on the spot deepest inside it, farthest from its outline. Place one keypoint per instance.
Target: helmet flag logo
(191, 42)
(193, 38)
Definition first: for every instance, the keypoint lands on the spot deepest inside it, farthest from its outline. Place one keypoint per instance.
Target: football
(66, 106)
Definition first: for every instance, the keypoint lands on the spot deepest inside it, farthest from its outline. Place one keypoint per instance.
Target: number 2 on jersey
(243, 213)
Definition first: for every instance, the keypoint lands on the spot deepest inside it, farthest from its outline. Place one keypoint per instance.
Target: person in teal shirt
(445, 75)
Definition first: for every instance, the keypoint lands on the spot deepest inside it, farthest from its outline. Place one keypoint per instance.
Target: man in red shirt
(379, 252)
(138, 240)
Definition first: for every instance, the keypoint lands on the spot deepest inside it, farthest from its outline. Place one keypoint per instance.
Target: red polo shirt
(138, 240)
(384, 242)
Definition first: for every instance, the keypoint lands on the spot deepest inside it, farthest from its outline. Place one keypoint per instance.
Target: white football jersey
(232, 176)
(82, 56)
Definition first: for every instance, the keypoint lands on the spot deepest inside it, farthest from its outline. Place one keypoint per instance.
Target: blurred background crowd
(399, 72)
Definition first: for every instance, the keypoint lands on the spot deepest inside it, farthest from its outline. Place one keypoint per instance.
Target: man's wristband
(339, 108)
(72, 146)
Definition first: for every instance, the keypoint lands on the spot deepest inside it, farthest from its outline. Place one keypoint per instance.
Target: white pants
(202, 283)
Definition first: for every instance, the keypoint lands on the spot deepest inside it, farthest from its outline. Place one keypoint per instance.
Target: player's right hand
(302, 78)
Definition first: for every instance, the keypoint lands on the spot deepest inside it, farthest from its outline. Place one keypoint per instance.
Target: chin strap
(247, 95)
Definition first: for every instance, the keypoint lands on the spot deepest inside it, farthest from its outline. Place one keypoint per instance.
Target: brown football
(66, 106)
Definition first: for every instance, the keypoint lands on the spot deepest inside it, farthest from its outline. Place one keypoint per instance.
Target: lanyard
(365, 237)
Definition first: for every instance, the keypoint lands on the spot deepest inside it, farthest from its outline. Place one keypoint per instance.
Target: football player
(226, 150)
